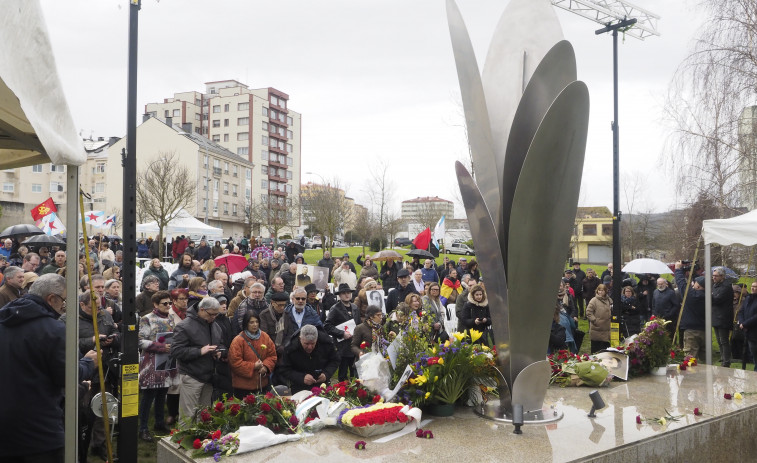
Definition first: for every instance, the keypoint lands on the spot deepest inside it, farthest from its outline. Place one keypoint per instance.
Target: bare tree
(273, 212)
(164, 187)
(381, 192)
(427, 214)
(394, 225)
(634, 185)
(363, 226)
(328, 210)
(705, 104)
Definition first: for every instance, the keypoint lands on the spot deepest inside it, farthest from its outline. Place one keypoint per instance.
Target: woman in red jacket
(252, 357)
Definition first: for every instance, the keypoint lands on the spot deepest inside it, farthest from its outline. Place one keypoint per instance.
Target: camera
(224, 352)
(317, 373)
(685, 265)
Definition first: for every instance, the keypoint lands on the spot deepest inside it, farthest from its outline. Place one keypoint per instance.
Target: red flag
(44, 209)
(423, 239)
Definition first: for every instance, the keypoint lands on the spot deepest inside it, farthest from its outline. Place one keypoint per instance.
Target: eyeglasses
(182, 298)
(211, 314)
(300, 298)
(61, 298)
(166, 303)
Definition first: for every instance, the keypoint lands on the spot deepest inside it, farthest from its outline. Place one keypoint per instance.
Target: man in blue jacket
(692, 318)
(33, 349)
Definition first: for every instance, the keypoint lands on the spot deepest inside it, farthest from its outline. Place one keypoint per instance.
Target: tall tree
(381, 193)
(164, 187)
(363, 226)
(273, 212)
(328, 209)
(705, 103)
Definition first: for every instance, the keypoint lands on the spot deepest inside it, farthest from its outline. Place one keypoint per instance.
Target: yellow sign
(130, 390)
(614, 334)
(131, 369)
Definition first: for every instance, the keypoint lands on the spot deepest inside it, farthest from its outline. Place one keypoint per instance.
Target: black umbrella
(45, 240)
(420, 253)
(22, 229)
(113, 237)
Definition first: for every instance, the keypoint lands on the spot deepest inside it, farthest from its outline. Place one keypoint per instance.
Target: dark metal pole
(129, 391)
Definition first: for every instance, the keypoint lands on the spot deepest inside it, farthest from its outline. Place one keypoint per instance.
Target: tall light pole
(636, 22)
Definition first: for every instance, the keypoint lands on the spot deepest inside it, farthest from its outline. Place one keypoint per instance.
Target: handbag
(578, 337)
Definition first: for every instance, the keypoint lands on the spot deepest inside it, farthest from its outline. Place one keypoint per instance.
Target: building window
(289, 188)
(247, 193)
(242, 136)
(176, 112)
(217, 108)
(217, 164)
(225, 188)
(265, 111)
(274, 100)
(99, 187)
(215, 206)
(289, 175)
(264, 170)
(226, 137)
(243, 121)
(289, 120)
(216, 184)
(8, 187)
(233, 190)
(226, 108)
(272, 142)
(590, 229)
(282, 132)
(167, 113)
(289, 147)
(243, 151)
(225, 122)
(265, 126)
(56, 187)
(248, 174)
(37, 168)
(204, 205)
(205, 161)
(36, 188)
(283, 103)
(265, 140)
(607, 229)
(216, 138)
(226, 168)
(216, 123)
(225, 208)
(197, 116)
(205, 183)
(263, 184)
(282, 117)
(290, 135)
(290, 161)
(243, 106)
(100, 168)
(59, 169)
(235, 170)
(234, 209)
(264, 155)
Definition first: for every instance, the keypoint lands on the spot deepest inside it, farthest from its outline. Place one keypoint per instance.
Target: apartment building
(254, 124)
(418, 208)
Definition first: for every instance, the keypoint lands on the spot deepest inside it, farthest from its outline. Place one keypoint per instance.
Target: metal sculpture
(527, 120)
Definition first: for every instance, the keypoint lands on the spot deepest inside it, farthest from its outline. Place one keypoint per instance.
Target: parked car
(403, 241)
(460, 248)
(315, 242)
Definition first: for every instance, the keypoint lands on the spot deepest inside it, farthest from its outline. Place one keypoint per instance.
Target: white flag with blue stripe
(439, 231)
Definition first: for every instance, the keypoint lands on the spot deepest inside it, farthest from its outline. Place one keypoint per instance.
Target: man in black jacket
(693, 316)
(400, 293)
(340, 313)
(722, 314)
(197, 344)
(309, 359)
(33, 342)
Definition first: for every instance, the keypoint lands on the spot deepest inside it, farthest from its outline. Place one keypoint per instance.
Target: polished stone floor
(613, 435)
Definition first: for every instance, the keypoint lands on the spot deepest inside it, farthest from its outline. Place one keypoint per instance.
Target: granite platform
(724, 433)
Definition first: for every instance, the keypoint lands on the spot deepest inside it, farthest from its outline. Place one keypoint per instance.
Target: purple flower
(217, 456)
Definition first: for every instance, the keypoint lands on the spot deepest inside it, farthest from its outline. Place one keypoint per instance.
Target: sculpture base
(493, 411)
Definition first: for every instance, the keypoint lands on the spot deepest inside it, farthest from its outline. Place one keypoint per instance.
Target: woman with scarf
(631, 312)
(197, 289)
(369, 333)
(156, 373)
(418, 282)
(252, 357)
(451, 288)
(599, 314)
(432, 304)
(476, 314)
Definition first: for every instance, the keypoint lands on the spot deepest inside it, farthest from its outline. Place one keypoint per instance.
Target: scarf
(252, 336)
(419, 286)
(375, 332)
(180, 313)
(159, 313)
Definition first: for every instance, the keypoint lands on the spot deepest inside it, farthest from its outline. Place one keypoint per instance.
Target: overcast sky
(372, 79)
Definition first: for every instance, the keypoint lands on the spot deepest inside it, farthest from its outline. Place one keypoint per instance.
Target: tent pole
(72, 320)
(707, 303)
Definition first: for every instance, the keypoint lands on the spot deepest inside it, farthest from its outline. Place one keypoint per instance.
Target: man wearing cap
(462, 266)
(722, 314)
(14, 283)
(339, 314)
(346, 258)
(400, 293)
(222, 380)
(270, 317)
(693, 316)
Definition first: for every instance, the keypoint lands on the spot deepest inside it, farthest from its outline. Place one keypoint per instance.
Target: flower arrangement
(652, 348)
(417, 336)
(375, 419)
(209, 427)
(353, 392)
(443, 372)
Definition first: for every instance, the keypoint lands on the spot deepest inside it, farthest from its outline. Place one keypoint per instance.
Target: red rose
(419, 433)
(682, 367)
(262, 420)
(197, 444)
(362, 393)
(265, 407)
(234, 409)
(340, 391)
(638, 419)
(269, 395)
(697, 412)
(293, 420)
(250, 400)
(376, 398)
(428, 434)
(401, 417)
(363, 345)
(727, 396)
(672, 354)
(216, 434)
(278, 405)
(205, 416)
(219, 407)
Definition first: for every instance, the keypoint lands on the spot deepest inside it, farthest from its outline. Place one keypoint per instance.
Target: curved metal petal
(526, 30)
(490, 261)
(554, 73)
(531, 385)
(544, 209)
(476, 114)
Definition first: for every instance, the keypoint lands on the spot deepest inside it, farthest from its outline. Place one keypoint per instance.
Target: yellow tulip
(459, 336)
(446, 343)
(475, 335)
(441, 361)
(436, 378)
(428, 394)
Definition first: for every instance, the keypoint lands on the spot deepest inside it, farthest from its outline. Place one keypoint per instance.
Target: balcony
(217, 171)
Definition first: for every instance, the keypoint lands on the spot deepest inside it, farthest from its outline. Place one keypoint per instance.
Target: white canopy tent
(741, 230)
(35, 128)
(182, 224)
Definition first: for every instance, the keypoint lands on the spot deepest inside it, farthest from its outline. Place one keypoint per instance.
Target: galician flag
(93, 218)
(109, 221)
(439, 232)
(51, 224)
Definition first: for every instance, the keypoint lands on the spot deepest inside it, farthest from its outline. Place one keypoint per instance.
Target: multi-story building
(419, 209)
(223, 179)
(592, 235)
(255, 124)
(337, 200)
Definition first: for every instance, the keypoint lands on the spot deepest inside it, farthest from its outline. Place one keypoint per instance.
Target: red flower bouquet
(375, 419)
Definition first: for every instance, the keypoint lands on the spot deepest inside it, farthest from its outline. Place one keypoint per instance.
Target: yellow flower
(458, 336)
(436, 378)
(286, 413)
(428, 394)
(441, 360)
(446, 343)
(262, 346)
(663, 422)
(738, 396)
(420, 380)
(484, 347)
(434, 349)
(475, 335)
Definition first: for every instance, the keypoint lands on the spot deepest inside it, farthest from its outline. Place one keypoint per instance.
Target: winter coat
(189, 337)
(289, 280)
(151, 346)
(599, 314)
(8, 293)
(748, 317)
(338, 315)
(216, 251)
(363, 336)
(580, 277)
(162, 275)
(178, 276)
(143, 303)
(328, 263)
(295, 363)
(154, 249)
(451, 288)
(474, 310)
(429, 274)
(399, 295)
(142, 250)
(693, 314)
(438, 311)
(722, 305)
(388, 275)
(106, 327)
(202, 253)
(589, 287)
(237, 318)
(242, 361)
(33, 346)
(369, 272)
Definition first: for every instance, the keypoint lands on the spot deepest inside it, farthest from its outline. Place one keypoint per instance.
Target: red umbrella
(234, 262)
